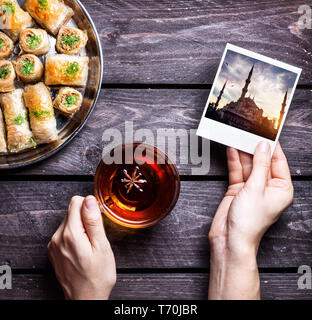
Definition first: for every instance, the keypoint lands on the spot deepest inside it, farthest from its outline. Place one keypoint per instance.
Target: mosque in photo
(245, 114)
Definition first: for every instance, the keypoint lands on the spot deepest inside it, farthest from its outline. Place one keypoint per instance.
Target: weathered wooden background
(160, 58)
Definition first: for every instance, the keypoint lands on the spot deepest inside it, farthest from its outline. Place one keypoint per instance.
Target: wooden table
(160, 58)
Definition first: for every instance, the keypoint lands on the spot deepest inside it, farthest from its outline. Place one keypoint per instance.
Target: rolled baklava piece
(7, 76)
(63, 69)
(19, 136)
(41, 113)
(50, 14)
(3, 145)
(29, 68)
(6, 45)
(35, 41)
(71, 40)
(68, 101)
(13, 18)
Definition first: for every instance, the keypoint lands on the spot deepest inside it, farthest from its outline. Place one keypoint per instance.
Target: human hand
(260, 189)
(81, 253)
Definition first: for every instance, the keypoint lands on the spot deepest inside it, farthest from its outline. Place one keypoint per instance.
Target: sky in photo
(268, 83)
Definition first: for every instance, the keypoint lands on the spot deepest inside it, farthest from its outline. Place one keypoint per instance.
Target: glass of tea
(136, 185)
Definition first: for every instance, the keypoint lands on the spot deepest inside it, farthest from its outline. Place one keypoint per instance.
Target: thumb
(261, 166)
(92, 220)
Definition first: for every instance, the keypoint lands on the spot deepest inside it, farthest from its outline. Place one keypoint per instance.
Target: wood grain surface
(182, 41)
(169, 109)
(182, 286)
(180, 241)
(160, 59)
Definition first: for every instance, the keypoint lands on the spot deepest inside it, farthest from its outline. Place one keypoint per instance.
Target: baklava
(7, 76)
(63, 69)
(71, 40)
(13, 19)
(41, 113)
(19, 135)
(28, 68)
(50, 14)
(68, 101)
(35, 41)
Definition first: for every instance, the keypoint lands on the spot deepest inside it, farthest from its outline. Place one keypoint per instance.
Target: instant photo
(249, 100)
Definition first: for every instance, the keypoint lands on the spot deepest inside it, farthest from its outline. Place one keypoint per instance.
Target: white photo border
(234, 137)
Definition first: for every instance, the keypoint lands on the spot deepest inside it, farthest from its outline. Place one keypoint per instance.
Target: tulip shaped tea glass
(136, 185)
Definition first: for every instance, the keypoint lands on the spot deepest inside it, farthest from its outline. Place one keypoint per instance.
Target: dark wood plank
(182, 41)
(155, 286)
(31, 212)
(171, 109)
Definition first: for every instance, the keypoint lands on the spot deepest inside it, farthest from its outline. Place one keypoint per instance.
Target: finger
(50, 254)
(57, 234)
(270, 174)
(279, 168)
(246, 161)
(261, 166)
(60, 229)
(234, 166)
(92, 220)
(74, 214)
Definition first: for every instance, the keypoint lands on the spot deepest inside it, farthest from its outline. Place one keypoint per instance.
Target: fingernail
(91, 203)
(264, 146)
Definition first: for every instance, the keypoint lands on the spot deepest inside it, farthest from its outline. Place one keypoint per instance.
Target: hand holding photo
(249, 100)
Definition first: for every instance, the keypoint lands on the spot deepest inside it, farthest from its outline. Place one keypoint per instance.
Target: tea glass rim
(140, 224)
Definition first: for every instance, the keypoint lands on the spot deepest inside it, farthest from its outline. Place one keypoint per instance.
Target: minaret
(245, 89)
(282, 110)
(220, 95)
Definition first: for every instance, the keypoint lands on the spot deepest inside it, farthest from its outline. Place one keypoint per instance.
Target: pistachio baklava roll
(29, 68)
(71, 40)
(6, 45)
(35, 41)
(50, 14)
(63, 69)
(19, 136)
(7, 76)
(3, 145)
(41, 113)
(68, 100)
(13, 18)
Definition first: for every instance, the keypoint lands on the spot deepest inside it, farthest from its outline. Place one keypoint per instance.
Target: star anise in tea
(133, 180)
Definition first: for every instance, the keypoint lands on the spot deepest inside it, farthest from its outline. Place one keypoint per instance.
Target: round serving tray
(68, 127)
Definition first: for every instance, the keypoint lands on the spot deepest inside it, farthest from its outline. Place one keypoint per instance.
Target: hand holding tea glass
(81, 254)
(260, 189)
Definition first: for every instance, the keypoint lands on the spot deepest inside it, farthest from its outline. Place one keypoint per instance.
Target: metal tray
(68, 127)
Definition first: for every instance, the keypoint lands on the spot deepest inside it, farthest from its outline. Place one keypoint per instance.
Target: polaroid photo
(249, 100)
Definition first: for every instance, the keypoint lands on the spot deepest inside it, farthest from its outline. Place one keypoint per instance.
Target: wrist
(243, 257)
(231, 246)
(233, 272)
(241, 248)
